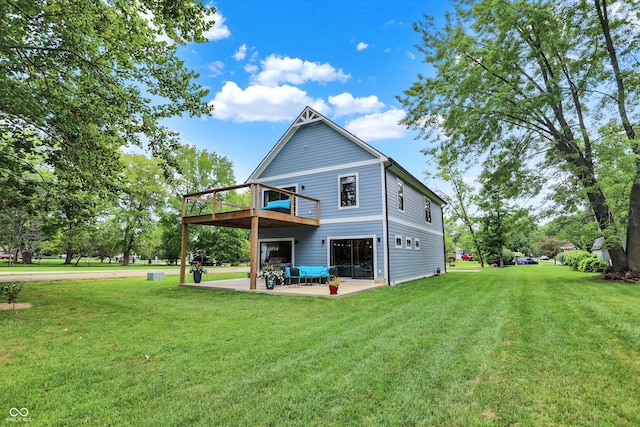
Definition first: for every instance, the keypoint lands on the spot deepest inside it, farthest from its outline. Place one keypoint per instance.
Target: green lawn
(532, 345)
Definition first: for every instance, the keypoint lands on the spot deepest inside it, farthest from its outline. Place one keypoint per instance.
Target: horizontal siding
(314, 145)
(408, 264)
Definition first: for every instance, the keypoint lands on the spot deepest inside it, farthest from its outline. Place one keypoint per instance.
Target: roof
(309, 115)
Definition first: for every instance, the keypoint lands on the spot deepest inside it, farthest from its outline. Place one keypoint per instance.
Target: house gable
(314, 142)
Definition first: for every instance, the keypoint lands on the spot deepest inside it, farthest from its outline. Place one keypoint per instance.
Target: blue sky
(267, 60)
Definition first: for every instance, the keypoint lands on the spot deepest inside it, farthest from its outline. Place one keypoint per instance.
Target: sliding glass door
(353, 257)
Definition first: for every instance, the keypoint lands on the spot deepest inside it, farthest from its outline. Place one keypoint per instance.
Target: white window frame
(400, 195)
(357, 205)
(416, 244)
(408, 243)
(426, 199)
(398, 237)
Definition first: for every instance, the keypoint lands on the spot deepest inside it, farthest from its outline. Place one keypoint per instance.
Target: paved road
(30, 276)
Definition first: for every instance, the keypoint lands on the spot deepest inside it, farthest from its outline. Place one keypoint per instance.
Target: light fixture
(323, 241)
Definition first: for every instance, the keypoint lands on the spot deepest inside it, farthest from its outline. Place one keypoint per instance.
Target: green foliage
(592, 264)
(507, 258)
(10, 292)
(516, 79)
(91, 77)
(574, 258)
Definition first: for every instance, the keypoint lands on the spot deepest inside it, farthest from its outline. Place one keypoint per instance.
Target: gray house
(324, 197)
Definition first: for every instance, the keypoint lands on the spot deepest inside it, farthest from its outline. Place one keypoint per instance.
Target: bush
(573, 258)
(561, 257)
(593, 264)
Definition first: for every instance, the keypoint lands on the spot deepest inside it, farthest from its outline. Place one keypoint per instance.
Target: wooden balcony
(211, 207)
(216, 207)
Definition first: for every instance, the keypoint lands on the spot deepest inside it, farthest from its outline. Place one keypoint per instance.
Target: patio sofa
(309, 273)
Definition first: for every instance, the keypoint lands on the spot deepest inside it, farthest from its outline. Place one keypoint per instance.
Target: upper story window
(348, 188)
(272, 195)
(400, 195)
(427, 210)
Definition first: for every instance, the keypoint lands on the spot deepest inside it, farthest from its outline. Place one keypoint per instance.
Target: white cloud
(411, 55)
(251, 68)
(346, 104)
(277, 69)
(218, 31)
(241, 53)
(215, 68)
(362, 46)
(378, 126)
(259, 103)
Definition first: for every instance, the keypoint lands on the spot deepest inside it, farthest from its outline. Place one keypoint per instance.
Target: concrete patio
(347, 287)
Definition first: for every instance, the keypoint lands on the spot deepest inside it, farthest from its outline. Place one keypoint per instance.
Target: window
(272, 195)
(416, 244)
(348, 187)
(408, 242)
(400, 195)
(398, 241)
(427, 210)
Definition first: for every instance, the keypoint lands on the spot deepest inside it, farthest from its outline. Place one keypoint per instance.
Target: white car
(544, 258)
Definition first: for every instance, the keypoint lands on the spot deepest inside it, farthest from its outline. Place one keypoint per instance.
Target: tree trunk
(633, 229)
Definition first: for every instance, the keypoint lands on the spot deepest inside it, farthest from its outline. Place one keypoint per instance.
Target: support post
(183, 253)
(255, 254)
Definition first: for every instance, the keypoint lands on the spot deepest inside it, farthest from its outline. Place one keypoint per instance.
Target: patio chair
(291, 273)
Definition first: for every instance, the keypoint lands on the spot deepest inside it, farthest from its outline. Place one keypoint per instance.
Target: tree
(90, 77)
(142, 195)
(546, 81)
(549, 245)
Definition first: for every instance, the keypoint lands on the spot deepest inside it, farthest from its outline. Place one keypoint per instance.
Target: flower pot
(197, 276)
(270, 282)
(333, 290)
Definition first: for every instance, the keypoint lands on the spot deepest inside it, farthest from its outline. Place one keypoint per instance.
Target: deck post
(255, 254)
(183, 253)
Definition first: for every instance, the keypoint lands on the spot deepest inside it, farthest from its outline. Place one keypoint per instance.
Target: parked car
(544, 258)
(525, 261)
(467, 257)
(6, 256)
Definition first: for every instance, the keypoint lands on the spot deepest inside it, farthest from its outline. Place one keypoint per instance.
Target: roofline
(395, 166)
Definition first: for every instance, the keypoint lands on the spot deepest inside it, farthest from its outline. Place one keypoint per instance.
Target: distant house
(568, 247)
(322, 196)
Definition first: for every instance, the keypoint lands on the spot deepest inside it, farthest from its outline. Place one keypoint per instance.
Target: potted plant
(197, 269)
(272, 276)
(333, 285)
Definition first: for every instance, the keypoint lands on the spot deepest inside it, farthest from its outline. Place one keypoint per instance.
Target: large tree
(540, 80)
(91, 76)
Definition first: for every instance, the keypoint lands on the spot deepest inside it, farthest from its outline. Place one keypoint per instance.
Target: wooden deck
(212, 207)
(242, 219)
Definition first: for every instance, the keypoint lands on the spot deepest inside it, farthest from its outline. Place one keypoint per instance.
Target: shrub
(508, 257)
(561, 257)
(592, 264)
(573, 258)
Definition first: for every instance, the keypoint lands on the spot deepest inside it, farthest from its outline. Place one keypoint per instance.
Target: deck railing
(229, 199)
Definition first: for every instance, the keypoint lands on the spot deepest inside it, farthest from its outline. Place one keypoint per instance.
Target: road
(6, 275)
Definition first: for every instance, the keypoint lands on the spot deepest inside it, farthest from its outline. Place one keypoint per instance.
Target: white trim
(408, 243)
(351, 219)
(416, 244)
(346, 166)
(416, 226)
(283, 187)
(385, 226)
(354, 237)
(400, 183)
(398, 236)
(357, 205)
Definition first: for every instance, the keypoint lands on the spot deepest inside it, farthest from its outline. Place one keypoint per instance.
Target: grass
(534, 345)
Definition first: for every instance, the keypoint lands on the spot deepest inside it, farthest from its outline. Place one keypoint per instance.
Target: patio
(347, 287)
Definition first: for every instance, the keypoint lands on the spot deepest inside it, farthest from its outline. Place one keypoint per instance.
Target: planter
(197, 276)
(270, 282)
(333, 290)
